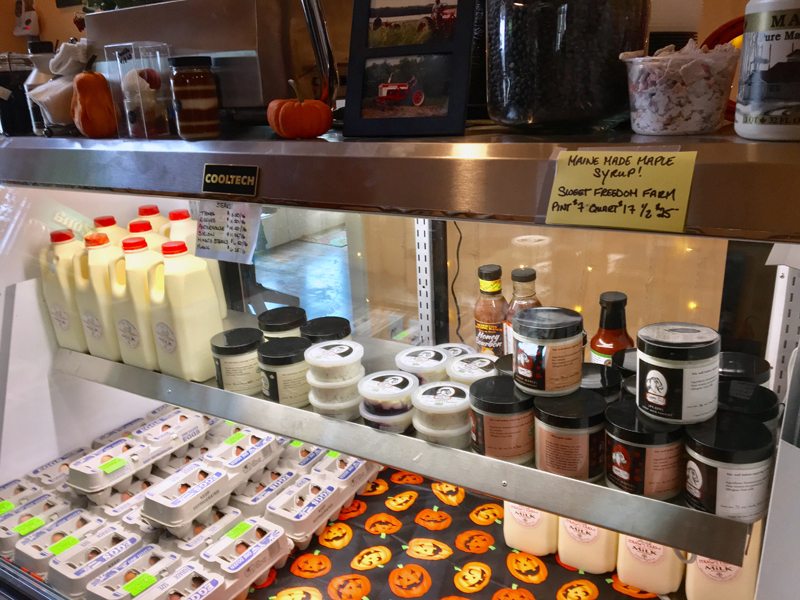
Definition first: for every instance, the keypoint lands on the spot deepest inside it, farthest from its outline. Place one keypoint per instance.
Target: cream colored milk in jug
(108, 225)
(150, 212)
(144, 229)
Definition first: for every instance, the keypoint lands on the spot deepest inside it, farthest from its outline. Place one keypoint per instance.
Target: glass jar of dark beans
(554, 64)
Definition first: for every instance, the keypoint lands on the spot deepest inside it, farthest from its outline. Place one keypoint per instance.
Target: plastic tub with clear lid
(457, 350)
(458, 437)
(426, 362)
(388, 392)
(348, 410)
(398, 422)
(334, 392)
(472, 367)
(335, 361)
(442, 405)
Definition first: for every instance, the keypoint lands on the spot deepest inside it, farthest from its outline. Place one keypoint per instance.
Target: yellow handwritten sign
(622, 190)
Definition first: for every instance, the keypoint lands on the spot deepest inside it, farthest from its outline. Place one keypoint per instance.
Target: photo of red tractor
(408, 93)
(441, 23)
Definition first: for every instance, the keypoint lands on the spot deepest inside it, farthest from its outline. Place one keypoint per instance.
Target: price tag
(622, 190)
(228, 230)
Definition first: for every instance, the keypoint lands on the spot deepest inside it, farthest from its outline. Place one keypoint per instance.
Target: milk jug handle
(155, 292)
(117, 289)
(76, 267)
(688, 559)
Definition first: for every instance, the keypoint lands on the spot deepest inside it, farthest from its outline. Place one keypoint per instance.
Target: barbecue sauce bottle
(612, 335)
(523, 296)
(490, 311)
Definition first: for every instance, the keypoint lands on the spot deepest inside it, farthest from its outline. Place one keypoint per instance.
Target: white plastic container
(284, 370)
(108, 225)
(235, 354)
(390, 423)
(184, 313)
(334, 362)
(284, 321)
(29, 517)
(304, 509)
(204, 533)
(144, 229)
(587, 547)
(190, 581)
(530, 530)
(648, 566)
(256, 495)
(343, 411)
(457, 350)
(58, 287)
(335, 392)
(134, 575)
(441, 405)
(469, 368)
(426, 362)
(349, 473)
(93, 294)
(457, 437)
(388, 393)
(51, 475)
(130, 303)
(150, 212)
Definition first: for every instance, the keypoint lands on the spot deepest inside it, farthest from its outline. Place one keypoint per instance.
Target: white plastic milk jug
(150, 212)
(144, 229)
(108, 225)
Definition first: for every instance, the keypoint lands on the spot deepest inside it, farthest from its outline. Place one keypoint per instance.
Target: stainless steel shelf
(742, 189)
(657, 521)
(23, 585)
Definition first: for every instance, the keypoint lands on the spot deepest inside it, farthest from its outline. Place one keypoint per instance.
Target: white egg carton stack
(128, 500)
(178, 462)
(53, 475)
(132, 576)
(245, 455)
(112, 466)
(305, 508)
(171, 434)
(35, 551)
(125, 430)
(219, 430)
(72, 570)
(29, 517)
(190, 582)
(246, 553)
(17, 492)
(255, 497)
(301, 457)
(351, 474)
(204, 533)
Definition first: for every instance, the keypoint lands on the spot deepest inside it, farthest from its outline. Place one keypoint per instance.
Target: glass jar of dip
(284, 321)
(326, 329)
(502, 420)
(236, 359)
(284, 369)
(194, 97)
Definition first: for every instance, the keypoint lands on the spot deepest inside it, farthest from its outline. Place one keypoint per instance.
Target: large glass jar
(556, 62)
(194, 97)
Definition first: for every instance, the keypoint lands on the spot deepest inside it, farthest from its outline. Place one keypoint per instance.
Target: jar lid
(743, 367)
(106, 221)
(627, 423)
(457, 350)
(499, 395)
(601, 379)
(629, 387)
(490, 272)
(179, 215)
(422, 359)
(282, 318)
(579, 410)
(525, 275)
(746, 398)
(94, 240)
(61, 235)
(133, 244)
(282, 351)
(337, 353)
(388, 385)
(505, 365)
(731, 438)
(678, 341)
(173, 248)
(148, 210)
(441, 397)
(236, 341)
(325, 329)
(190, 61)
(613, 300)
(547, 323)
(472, 367)
(625, 361)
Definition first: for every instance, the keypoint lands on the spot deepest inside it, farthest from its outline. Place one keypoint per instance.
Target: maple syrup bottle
(612, 335)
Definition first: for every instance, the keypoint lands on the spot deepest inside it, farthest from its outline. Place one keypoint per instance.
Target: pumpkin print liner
(402, 501)
(375, 488)
(449, 494)
(526, 567)
(336, 536)
(473, 577)
(474, 541)
(371, 557)
(404, 477)
(512, 594)
(433, 520)
(580, 589)
(486, 514)
(299, 593)
(410, 581)
(629, 590)
(309, 566)
(382, 523)
(352, 511)
(349, 587)
(428, 549)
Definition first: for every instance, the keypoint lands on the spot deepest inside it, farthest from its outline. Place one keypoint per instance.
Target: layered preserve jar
(194, 97)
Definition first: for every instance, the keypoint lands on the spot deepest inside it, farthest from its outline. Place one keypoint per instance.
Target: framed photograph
(409, 67)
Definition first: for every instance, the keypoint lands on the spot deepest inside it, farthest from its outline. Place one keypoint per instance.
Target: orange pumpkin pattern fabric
(309, 566)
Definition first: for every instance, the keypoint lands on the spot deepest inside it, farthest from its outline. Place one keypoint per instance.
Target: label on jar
(643, 551)
(423, 358)
(473, 366)
(548, 368)
(286, 387)
(387, 385)
(59, 316)
(654, 471)
(580, 456)
(581, 532)
(444, 396)
(717, 571)
(767, 81)
(333, 353)
(507, 437)
(524, 515)
(239, 373)
(679, 394)
(128, 334)
(738, 494)
(489, 338)
(599, 359)
(92, 325)
(165, 337)
(454, 350)
(491, 286)
(508, 338)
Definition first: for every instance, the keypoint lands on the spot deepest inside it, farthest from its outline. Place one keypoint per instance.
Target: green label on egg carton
(30, 525)
(65, 544)
(6, 506)
(234, 438)
(113, 465)
(238, 530)
(139, 584)
(297, 443)
(332, 454)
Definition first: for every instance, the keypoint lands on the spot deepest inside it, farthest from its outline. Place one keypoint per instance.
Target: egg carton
(129, 499)
(72, 570)
(203, 534)
(219, 430)
(159, 411)
(305, 508)
(246, 553)
(35, 551)
(132, 576)
(178, 462)
(189, 582)
(171, 434)
(134, 522)
(53, 474)
(255, 497)
(122, 431)
(351, 474)
(29, 517)
(245, 455)
(301, 457)
(110, 467)
(17, 492)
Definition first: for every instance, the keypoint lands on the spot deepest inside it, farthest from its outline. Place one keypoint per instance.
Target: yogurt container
(284, 321)
(457, 350)
(390, 423)
(326, 329)
(335, 361)
(343, 411)
(388, 392)
(442, 405)
(236, 360)
(283, 366)
(330, 392)
(459, 437)
(426, 362)
(472, 367)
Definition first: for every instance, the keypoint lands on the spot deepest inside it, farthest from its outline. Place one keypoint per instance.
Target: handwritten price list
(228, 230)
(622, 190)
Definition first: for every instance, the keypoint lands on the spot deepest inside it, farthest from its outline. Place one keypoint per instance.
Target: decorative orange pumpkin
(473, 577)
(336, 536)
(298, 118)
(404, 477)
(269, 581)
(453, 598)
(526, 567)
(309, 566)
(449, 494)
(92, 107)
(513, 594)
(410, 581)
(580, 589)
(369, 558)
(382, 523)
(375, 488)
(351, 512)
(474, 541)
(433, 520)
(299, 593)
(486, 514)
(428, 549)
(567, 567)
(629, 590)
(349, 587)
(402, 501)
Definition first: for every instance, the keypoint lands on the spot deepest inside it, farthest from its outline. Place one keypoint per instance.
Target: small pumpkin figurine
(375, 488)
(580, 589)
(371, 557)
(336, 536)
(299, 593)
(353, 510)
(486, 514)
(428, 549)
(629, 590)
(433, 520)
(526, 567)
(402, 501)
(349, 587)
(382, 523)
(92, 108)
(404, 477)
(298, 118)
(410, 581)
(513, 594)
(473, 577)
(474, 541)
(309, 566)
(449, 494)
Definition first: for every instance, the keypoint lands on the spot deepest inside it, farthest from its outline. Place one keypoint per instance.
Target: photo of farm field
(398, 23)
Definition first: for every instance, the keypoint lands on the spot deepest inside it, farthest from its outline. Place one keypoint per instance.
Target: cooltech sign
(234, 180)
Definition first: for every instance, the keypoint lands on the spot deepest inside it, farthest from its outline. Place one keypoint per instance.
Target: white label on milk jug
(718, 571)
(92, 325)
(59, 316)
(165, 337)
(581, 532)
(128, 333)
(645, 552)
(525, 516)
